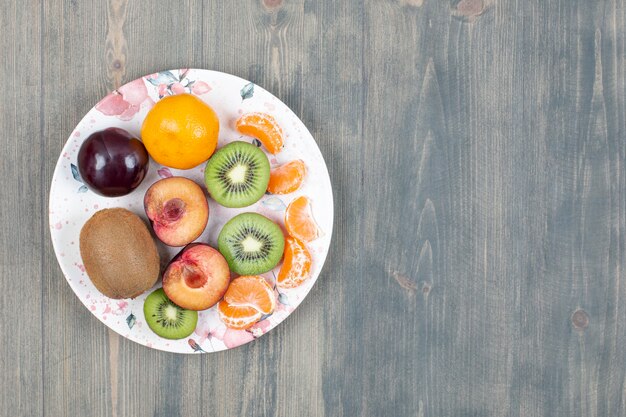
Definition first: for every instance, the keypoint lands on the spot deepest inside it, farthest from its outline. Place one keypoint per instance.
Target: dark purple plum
(112, 162)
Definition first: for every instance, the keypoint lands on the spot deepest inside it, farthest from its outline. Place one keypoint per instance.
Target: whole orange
(180, 131)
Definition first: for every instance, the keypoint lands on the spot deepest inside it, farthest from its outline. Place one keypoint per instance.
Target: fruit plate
(72, 203)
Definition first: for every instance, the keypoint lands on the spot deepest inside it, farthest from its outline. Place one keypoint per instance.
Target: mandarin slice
(287, 178)
(263, 127)
(296, 265)
(251, 291)
(237, 318)
(299, 220)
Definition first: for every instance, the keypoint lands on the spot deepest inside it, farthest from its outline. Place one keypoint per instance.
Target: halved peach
(197, 278)
(177, 209)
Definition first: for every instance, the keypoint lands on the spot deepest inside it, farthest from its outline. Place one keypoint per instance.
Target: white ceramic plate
(71, 203)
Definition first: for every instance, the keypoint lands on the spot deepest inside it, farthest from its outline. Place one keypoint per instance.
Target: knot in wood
(580, 319)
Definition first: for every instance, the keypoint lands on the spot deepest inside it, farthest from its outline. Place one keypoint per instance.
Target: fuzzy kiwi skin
(119, 254)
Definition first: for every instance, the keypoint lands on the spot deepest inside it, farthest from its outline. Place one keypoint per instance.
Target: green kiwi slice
(252, 244)
(237, 174)
(167, 319)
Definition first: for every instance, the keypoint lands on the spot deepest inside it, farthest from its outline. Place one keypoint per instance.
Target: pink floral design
(285, 308)
(164, 172)
(260, 328)
(177, 88)
(120, 308)
(169, 84)
(233, 338)
(126, 101)
(200, 87)
(202, 330)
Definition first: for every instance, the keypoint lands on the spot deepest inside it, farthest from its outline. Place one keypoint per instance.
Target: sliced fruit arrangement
(264, 127)
(247, 299)
(178, 210)
(166, 319)
(120, 255)
(237, 175)
(197, 278)
(287, 178)
(296, 266)
(251, 243)
(299, 220)
(180, 131)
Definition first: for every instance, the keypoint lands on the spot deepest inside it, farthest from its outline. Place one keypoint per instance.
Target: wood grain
(477, 150)
(21, 116)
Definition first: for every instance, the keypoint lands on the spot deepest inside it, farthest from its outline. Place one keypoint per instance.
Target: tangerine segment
(180, 131)
(237, 318)
(287, 178)
(299, 220)
(263, 127)
(296, 266)
(251, 291)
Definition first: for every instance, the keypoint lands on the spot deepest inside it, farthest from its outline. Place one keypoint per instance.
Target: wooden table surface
(477, 151)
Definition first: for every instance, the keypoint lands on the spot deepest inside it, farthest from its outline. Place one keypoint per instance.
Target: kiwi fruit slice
(237, 174)
(166, 318)
(252, 244)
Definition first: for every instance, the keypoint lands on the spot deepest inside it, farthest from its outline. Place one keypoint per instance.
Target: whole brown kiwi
(119, 253)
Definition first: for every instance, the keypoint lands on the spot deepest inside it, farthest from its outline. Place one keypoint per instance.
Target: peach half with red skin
(197, 278)
(177, 209)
